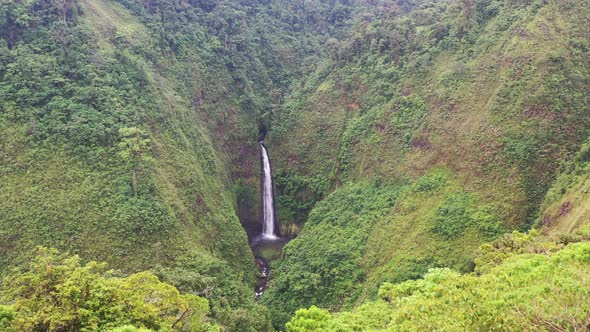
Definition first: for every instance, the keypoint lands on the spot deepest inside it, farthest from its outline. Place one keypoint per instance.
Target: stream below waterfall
(265, 251)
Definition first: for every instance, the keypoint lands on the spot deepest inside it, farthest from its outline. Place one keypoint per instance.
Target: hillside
(565, 208)
(424, 154)
(105, 155)
(524, 290)
(467, 109)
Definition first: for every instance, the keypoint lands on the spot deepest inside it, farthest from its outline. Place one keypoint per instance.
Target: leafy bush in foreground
(58, 293)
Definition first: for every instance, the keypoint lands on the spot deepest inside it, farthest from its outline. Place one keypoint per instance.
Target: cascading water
(268, 212)
(268, 245)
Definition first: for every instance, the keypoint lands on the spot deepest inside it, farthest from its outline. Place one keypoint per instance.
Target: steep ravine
(268, 244)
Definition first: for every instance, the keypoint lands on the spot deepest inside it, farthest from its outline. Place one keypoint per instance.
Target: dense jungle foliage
(524, 283)
(414, 145)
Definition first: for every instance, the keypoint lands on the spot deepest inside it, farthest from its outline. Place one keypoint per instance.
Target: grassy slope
(55, 196)
(465, 124)
(488, 105)
(572, 211)
(567, 205)
(187, 174)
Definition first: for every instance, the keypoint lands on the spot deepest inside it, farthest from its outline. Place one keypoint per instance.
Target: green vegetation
(456, 214)
(484, 88)
(465, 105)
(364, 234)
(566, 207)
(404, 135)
(104, 155)
(298, 195)
(57, 293)
(536, 285)
(322, 265)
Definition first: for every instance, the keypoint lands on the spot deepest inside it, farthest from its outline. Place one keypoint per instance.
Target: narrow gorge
(294, 165)
(267, 245)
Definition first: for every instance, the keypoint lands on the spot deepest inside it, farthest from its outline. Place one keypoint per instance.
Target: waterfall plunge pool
(268, 245)
(265, 251)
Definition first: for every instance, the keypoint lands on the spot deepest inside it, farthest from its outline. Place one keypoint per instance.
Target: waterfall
(268, 212)
(269, 241)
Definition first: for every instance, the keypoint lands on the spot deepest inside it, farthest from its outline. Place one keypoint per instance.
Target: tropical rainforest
(430, 165)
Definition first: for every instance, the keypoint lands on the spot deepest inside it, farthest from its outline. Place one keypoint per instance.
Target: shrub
(453, 216)
(57, 293)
